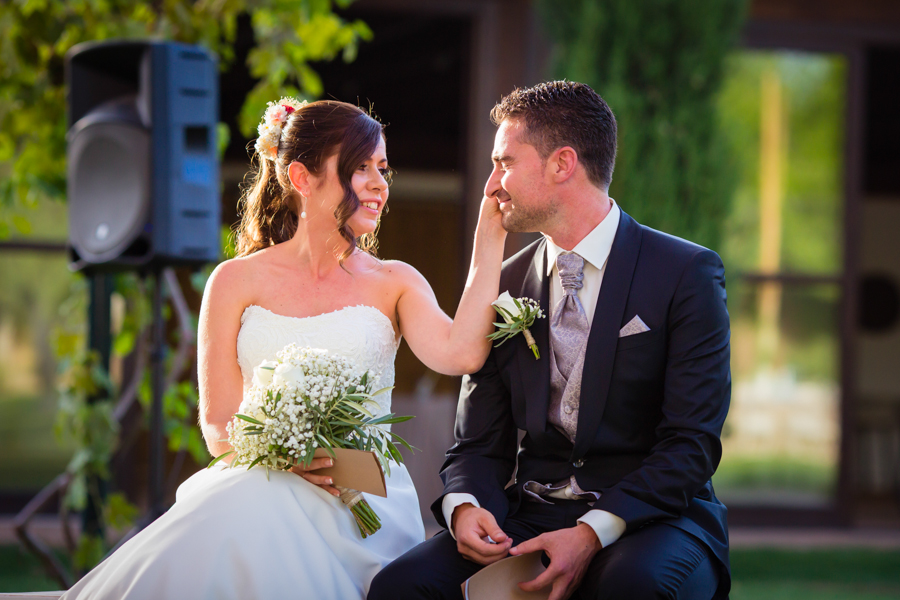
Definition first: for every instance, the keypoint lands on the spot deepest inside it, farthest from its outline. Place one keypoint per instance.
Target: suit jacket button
(578, 463)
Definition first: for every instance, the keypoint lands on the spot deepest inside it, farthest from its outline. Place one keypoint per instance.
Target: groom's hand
(472, 525)
(570, 551)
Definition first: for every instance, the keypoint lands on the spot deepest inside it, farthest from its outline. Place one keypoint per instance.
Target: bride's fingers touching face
(309, 473)
(490, 217)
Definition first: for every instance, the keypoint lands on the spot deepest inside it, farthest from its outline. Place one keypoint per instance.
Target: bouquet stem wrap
(366, 519)
(531, 343)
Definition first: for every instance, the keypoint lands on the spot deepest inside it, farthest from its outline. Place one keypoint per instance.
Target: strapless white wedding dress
(234, 534)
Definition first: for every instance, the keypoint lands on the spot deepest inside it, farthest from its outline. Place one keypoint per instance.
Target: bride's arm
(460, 345)
(219, 375)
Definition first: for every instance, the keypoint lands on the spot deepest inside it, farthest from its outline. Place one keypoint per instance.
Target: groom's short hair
(565, 113)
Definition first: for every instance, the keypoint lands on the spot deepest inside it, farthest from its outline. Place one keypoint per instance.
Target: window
(784, 116)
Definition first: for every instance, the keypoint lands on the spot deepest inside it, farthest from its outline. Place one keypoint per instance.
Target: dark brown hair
(565, 113)
(312, 134)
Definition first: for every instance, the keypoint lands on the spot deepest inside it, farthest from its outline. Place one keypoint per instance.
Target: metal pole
(99, 318)
(100, 290)
(157, 374)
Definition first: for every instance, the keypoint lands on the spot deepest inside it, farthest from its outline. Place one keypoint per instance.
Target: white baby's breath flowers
(305, 399)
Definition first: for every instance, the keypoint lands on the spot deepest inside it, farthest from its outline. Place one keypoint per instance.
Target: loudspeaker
(143, 175)
(878, 339)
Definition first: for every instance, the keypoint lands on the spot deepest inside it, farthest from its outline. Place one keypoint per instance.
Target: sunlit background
(807, 125)
(783, 113)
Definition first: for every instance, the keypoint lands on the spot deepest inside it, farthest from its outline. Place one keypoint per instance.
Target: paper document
(500, 580)
(354, 469)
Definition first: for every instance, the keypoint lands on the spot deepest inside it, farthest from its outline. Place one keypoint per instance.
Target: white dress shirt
(594, 248)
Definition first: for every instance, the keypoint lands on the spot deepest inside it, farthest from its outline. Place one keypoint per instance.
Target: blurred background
(765, 129)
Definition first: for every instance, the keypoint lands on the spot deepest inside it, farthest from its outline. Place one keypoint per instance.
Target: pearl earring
(303, 214)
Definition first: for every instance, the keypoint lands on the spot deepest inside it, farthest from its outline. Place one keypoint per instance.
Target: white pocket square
(636, 325)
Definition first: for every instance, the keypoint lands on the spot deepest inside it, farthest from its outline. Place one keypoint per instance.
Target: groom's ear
(562, 164)
(299, 176)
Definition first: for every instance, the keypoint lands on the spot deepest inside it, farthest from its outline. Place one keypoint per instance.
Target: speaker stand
(156, 491)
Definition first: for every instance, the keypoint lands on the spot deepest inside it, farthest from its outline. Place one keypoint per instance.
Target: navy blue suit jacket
(652, 404)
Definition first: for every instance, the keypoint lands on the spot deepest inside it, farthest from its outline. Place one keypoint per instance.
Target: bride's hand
(323, 481)
(489, 218)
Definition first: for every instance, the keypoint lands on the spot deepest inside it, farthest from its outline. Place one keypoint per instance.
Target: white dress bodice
(363, 334)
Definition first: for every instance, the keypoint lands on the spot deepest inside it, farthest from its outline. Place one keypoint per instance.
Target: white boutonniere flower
(518, 315)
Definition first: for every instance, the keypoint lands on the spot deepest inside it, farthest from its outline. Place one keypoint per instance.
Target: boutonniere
(518, 315)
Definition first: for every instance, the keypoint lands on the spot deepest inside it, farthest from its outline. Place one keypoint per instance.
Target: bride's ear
(299, 176)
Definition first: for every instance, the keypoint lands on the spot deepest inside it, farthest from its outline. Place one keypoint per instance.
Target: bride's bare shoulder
(399, 272)
(234, 280)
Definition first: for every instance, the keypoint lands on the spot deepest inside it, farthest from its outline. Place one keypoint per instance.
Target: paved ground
(802, 538)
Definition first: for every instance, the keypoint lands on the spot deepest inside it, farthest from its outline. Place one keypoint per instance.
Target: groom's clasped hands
(570, 550)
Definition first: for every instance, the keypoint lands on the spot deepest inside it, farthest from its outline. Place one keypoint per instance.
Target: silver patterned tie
(569, 327)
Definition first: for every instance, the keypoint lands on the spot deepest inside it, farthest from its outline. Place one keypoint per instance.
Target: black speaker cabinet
(143, 175)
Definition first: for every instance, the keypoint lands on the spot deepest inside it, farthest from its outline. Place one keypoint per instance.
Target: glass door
(784, 114)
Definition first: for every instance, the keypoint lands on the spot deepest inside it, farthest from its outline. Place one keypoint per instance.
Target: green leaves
(248, 419)
(219, 457)
(514, 323)
(357, 407)
(289, 34)
(89, 552)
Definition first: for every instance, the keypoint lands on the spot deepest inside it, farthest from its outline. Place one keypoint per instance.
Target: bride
(305, 273)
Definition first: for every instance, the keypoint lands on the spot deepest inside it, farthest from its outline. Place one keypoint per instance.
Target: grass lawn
(22, 572)
(32, 456)
(758, 574)
(846, 574)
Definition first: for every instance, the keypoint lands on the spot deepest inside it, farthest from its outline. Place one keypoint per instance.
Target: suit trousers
(656, 561)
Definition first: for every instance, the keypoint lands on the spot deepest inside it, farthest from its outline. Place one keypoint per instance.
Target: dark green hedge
(658, 63)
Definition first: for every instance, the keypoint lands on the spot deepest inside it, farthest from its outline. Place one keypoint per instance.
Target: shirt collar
(595, 246)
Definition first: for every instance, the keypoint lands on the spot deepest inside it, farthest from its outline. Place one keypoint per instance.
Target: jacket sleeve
(695, 402)
(482, 460)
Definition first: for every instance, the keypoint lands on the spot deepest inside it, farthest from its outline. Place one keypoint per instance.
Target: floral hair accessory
(273, 121)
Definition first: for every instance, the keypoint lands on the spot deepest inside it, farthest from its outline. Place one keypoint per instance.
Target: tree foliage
(659, 64)
(38, 33)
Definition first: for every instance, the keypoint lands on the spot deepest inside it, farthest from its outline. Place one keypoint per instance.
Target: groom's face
(519, 181)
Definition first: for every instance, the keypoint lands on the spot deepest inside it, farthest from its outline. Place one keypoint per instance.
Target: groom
(621, 414)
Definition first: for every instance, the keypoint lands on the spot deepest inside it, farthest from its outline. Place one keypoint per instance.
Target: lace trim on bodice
(361, 333)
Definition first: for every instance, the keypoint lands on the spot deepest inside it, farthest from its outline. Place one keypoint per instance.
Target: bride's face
(368, 181)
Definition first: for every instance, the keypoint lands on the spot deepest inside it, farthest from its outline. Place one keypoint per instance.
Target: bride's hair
(314, 132)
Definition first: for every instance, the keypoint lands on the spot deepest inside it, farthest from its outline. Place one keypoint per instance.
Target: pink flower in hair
(274, 119)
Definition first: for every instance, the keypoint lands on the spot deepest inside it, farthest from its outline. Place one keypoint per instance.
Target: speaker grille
(109, 189)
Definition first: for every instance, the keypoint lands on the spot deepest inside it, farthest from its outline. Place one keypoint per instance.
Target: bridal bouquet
(308, 399)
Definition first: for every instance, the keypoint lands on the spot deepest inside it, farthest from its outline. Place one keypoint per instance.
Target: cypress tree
(658, 63)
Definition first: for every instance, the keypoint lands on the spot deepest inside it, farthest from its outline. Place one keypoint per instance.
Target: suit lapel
(535, 374)
(601, 345)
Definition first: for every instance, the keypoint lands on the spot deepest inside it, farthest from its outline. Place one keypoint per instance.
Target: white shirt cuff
(451, 501)
(606, 525)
